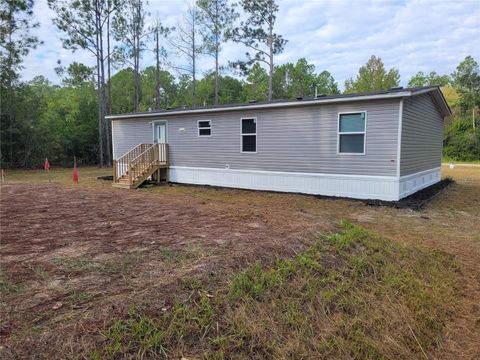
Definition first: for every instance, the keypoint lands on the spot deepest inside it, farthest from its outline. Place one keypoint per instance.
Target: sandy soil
(74, 258)
(77, 254)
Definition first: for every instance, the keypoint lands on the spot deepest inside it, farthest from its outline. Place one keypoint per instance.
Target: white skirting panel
(414, 182)
(353, 186)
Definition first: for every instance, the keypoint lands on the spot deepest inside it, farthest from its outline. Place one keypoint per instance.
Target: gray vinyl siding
(126, 134)
(422, 135)
(296, 139)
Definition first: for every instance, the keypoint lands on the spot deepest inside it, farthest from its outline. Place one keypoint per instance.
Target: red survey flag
(75, 173)
(46, 165)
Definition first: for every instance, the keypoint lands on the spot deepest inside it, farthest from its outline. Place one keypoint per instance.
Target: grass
(449, 160)
(78, 297)
(148, 337)
(87, 176)
(354, 294)
(7, 286)
(129, 264)
(351, 295)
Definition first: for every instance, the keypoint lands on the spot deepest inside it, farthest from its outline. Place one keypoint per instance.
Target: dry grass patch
(278, 290)
(351, 295)
(87, 176)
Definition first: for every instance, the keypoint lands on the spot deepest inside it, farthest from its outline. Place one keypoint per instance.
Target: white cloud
(338, 36)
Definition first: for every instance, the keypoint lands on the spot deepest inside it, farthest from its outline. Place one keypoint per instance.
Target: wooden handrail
(121, 165)
(143, 153)
(132, 150)
(139, 161)
(152, 156)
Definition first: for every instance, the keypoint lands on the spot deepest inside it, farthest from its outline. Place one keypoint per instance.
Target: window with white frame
(351, 133)
(204, 127)
(249, 135)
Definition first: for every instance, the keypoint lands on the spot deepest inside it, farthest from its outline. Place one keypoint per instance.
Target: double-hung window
(204, 127)
(249, 134)
(351, 133)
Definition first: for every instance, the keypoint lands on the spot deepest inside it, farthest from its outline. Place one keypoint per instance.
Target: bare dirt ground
(74, 258)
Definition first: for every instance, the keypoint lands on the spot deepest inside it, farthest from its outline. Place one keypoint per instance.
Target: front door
(160, 133)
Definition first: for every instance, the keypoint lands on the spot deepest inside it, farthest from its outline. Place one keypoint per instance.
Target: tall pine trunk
(270, 63)
(157, 71)
(106, 130)
(109, 74)
(216, 79)
(10, 97)
(136, 65)
(136, 60)
(194, 55)
(473, 117)
(135, 93)
(99, 89)
(217, 49)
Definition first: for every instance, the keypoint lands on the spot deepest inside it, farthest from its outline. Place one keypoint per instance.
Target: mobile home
(379, 145)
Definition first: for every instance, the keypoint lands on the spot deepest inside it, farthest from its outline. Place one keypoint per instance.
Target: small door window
(161, 133)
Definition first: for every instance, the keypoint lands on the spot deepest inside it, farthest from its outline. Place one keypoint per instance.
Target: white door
(160, 134)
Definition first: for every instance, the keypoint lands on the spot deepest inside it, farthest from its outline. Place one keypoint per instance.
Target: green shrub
(461, 142)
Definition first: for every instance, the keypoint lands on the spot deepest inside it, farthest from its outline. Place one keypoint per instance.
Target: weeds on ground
(149, 337)
(7, 286)
(352, 294)
(117, 265)
(78, 297)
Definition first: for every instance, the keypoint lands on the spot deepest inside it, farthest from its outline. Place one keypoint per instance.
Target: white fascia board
(264, 106)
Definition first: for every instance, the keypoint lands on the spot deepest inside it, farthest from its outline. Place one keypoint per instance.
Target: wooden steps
(139, 164)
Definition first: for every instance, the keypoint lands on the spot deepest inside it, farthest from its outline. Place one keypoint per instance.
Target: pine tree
(129, 28)
(159, 31)
(216, 18)
(188, 46)
(16, 41)
(257, 33)
(373, 76)
(84, 23)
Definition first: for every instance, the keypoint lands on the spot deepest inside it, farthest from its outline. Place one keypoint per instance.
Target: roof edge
(400, 94)
(439, 96)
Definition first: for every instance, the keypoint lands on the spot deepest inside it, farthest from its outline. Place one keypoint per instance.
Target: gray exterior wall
(422, 135)
(296, 139)
(128, 133)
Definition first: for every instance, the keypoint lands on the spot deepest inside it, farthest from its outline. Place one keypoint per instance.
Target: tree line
(41, 119)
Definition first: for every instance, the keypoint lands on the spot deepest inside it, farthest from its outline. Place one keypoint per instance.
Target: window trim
(364, 133)
(247, 134)
(198, 128)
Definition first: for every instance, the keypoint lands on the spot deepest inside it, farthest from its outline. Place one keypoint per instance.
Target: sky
(337, 36)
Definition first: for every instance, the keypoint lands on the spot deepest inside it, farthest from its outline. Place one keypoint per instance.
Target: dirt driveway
(73, 258)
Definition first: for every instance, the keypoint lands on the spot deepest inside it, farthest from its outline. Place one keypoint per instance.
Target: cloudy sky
(338, 36)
